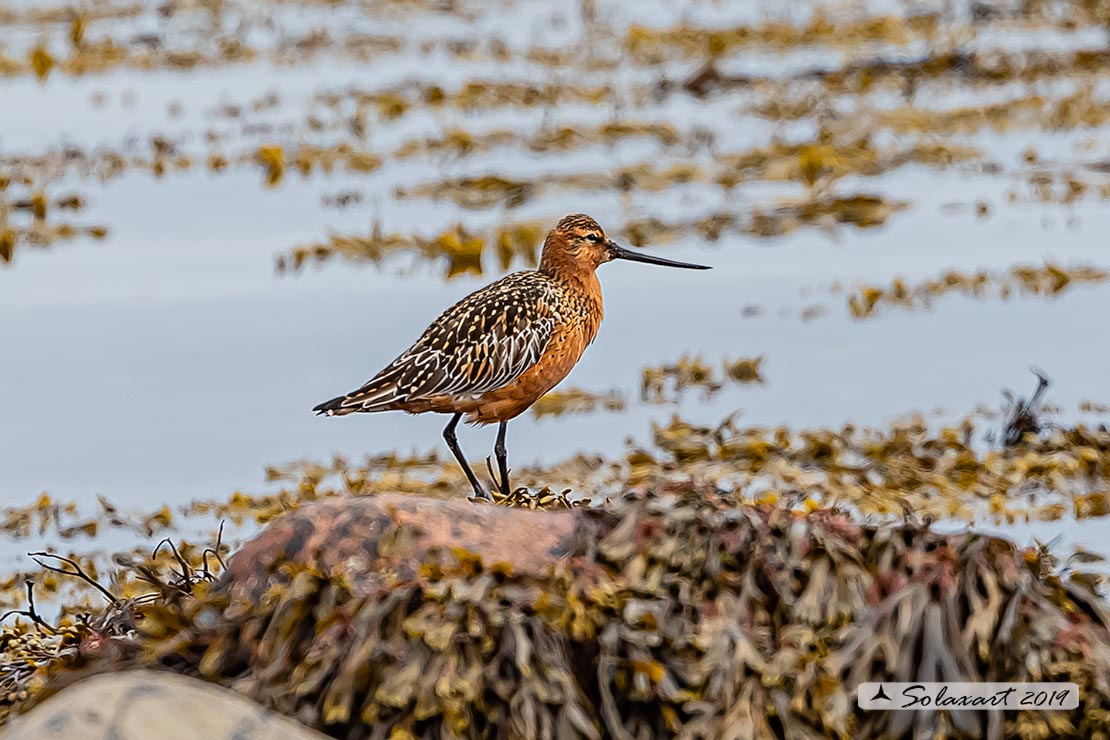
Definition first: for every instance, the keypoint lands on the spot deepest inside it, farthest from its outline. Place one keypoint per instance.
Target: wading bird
(497, 351)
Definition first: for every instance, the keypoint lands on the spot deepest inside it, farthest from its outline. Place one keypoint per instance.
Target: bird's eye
(593, 237)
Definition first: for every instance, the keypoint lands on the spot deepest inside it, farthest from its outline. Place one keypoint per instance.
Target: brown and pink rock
(372, 541)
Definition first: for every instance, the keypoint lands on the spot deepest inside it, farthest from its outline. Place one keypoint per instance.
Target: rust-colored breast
(581, 311)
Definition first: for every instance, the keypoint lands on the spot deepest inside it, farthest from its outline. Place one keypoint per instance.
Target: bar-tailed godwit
(497, 351)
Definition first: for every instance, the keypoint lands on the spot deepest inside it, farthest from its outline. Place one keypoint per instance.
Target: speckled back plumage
(482, 344)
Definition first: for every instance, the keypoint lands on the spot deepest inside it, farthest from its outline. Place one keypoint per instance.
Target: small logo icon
(881, 694)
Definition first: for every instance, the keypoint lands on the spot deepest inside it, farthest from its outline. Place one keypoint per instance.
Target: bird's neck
(582, 282)
(571, 275)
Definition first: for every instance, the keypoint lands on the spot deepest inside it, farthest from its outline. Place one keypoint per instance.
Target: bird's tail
(377, 395)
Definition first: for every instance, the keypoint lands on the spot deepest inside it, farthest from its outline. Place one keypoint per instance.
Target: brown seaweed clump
(30, 219)
(462, 252)
(1048, 279)
(666, 383)
(679, 613)
(577, 401)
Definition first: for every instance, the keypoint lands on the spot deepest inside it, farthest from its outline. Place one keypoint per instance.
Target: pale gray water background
(170, 362)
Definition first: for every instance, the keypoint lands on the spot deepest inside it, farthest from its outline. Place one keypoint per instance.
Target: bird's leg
(502, 463)
(492, 475)
(453, 444)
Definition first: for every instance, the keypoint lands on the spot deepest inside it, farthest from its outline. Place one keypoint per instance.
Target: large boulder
(373, 541)
(145, 705)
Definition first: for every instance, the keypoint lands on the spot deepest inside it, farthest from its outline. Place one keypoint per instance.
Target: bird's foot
(480, 494)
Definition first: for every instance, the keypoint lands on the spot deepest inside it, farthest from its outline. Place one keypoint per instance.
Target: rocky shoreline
(673, 612)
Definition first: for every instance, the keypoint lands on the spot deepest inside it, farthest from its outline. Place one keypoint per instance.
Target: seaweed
(460, 250)
(1023, 415)
(1048, 280)
(577, 401)
(654, 46)
(679, 612)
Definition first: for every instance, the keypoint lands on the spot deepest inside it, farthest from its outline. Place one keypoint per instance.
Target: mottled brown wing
(482, 343)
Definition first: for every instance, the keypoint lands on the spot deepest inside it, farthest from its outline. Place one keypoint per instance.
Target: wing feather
(482, 343)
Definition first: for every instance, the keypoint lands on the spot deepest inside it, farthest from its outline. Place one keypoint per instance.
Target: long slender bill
(620, 253)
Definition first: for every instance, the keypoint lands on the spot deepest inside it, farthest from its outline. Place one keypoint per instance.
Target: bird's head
(578, 244)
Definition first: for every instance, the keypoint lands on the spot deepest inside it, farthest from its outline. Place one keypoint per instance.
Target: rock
(374, 540)
(142, 705)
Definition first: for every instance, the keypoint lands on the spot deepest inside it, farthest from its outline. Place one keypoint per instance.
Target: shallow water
(170, 361)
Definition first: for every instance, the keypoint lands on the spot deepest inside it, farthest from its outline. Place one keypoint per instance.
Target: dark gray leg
(453, 444)
(502, 463)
